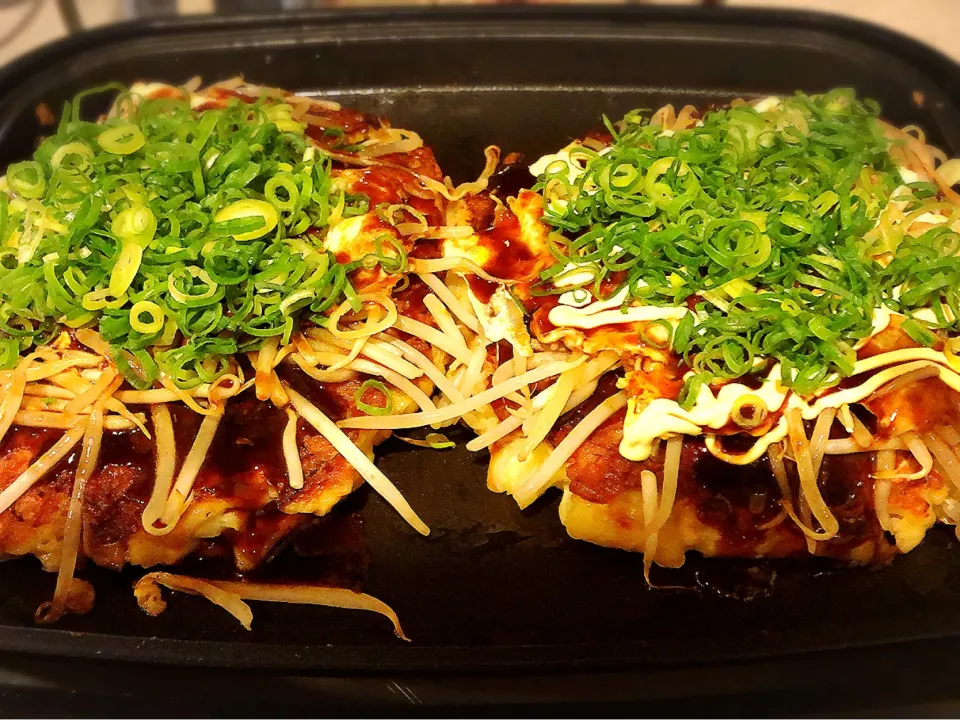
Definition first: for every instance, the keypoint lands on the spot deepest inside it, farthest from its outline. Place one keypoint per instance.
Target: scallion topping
(767, 225)
(180, 234)
(366, 407)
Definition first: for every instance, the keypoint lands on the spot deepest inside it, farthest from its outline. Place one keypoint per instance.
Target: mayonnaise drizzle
(775, 435)
(608, 312)
(573, 275)
(575, 162)
(880, 322)
(662, 417)
(576, 298)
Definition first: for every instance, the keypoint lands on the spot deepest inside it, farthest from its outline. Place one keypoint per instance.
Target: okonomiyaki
(733, 332)
(195, 289)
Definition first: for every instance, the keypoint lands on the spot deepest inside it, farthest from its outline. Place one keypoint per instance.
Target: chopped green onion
(918, 332)
(749, 411)
(72, 156)
(181, 284)
(249, 210)
(125, 269)
(434, 441)
(122, 139)
(282, 181)
(136, 223)
(763, 224)
(658, 333)
(180, 234)
(154, 313)
(9, 353)
(26, 179)
(102, 298)
(374, 409)
(394, 262)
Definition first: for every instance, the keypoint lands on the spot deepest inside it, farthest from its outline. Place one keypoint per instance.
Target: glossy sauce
(221, 97)
(738, 501)
(393, 186)
(919, 407)
(263, 536)
(509, 258)
(118, 491)
(498, 231)
(482, 289)
(409, 301)
(335, 130)
(427, 249)
(540, 306)
(511, 177)
(245, 461)
(245, 464)
(244, 467)
(225, 93)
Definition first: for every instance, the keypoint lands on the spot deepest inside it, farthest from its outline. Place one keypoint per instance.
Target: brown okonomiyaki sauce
(540, 306)
(387, 185)
(244, 466)
(482, 289)
(116, 494)
(426, 249)
(498, 231)
(509, 259)
(742, 502)
(495, 226)
(346, 120)
(409, 302)
(511, 177)
(249, 452)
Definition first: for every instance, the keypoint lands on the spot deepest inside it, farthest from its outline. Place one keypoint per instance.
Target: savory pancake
(216, 235)
(710, 386)
(732, 332)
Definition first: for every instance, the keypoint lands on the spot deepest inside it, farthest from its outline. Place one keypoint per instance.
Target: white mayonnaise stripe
(566, 316)
(774, 435)
(860, 392)
(662, 417)
(897, 356)
(609, 312)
